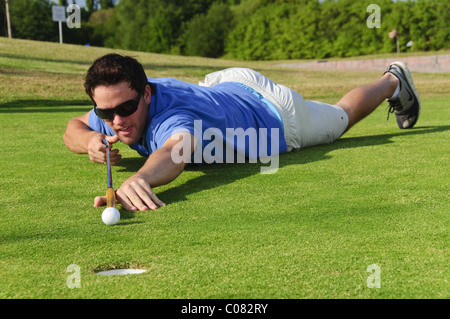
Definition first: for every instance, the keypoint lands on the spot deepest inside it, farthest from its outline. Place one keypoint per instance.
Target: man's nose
(118, 120)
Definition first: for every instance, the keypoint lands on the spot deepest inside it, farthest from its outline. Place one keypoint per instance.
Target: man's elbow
(70, 143)
(66, 140)
(67, 143)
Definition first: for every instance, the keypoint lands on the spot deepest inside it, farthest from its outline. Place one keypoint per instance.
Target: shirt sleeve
(162, 129)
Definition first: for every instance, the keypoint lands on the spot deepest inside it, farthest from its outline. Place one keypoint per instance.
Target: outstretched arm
(160, 168)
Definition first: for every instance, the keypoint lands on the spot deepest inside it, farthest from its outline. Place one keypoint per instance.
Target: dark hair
(114, 68)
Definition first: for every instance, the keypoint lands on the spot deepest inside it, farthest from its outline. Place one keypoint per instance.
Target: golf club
(110, 193)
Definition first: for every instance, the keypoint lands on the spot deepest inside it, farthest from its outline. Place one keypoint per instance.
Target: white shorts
(306, 123)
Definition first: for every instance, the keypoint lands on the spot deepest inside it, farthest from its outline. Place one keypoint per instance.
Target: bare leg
(361, 101)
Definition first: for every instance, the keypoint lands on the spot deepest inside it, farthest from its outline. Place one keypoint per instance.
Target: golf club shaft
(108, 164)
(110, 193)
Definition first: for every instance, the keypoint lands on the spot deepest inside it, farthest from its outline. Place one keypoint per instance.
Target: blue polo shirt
(225, 117)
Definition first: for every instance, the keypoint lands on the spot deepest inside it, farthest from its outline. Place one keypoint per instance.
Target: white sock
(397, 90)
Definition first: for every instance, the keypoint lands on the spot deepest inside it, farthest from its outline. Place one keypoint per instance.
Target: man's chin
(128, 140)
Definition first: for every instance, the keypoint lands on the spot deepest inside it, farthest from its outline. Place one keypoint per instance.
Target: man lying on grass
(174, 123)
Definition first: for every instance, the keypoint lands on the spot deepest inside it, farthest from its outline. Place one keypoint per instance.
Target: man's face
(131, 128)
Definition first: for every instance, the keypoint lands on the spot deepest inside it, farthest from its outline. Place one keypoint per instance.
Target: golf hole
(123, 269)
(121, 272)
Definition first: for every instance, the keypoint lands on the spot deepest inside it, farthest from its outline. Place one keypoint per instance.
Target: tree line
(242, 29)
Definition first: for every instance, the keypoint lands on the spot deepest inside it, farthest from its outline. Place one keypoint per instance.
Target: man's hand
(97, 149)
(134, 194)
(80, 139)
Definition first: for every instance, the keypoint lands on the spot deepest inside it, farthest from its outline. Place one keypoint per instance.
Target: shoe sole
(407, 75)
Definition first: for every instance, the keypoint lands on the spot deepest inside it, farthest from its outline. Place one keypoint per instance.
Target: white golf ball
(110, 216)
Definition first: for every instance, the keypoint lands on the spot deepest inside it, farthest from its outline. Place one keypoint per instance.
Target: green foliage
(432, 30)
(243, 29)
(98, 26)
(159, 37)
(206, 33)
(94, 5)
(32, 20)
(155, 25)
(90, 5)
(105, 4)
(3, 25)
(313, 29)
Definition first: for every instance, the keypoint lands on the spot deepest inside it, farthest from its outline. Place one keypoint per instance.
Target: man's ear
(147, 93)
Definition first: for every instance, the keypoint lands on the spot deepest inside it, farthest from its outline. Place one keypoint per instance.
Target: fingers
(97, 150)
(100, 157)
(112, 139)
(136, 194)
(132, 204)
(99, 201)
(114, 157)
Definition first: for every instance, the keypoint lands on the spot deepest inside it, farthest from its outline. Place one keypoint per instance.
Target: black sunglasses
(124, 109)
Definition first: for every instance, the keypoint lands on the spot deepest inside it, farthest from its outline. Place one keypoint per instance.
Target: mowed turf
(379, 195)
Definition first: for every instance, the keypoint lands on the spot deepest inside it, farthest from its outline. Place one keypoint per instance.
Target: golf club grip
(110, 197)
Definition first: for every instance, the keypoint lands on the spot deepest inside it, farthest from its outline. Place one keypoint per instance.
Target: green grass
(379, 195)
